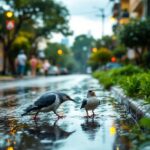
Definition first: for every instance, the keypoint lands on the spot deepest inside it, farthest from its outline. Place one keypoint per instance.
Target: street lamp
(10, 23)
(9, 14)
(60, 52)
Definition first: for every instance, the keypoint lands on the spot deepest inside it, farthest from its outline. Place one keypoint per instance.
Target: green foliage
(53, 16)
(104, 78)
(136, 33)
(64, 60)
(134, 81)
(102, 56)
(131, 85)
(145, 85)
(145, 122)
(36, 17)
(119, 51)
(81, 49)
(140, 140)
(106, 41)
(146, 59)
(127, 70)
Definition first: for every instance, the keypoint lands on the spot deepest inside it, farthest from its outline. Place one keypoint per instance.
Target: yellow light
(94, 50)
(113, 19)
(117, 148)
(124, 21)
(10, 148)
(59, 52)
(9, 14)
(112, 130)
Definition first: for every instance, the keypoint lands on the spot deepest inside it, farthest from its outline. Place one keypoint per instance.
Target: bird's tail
(84, 102)
(29, 109)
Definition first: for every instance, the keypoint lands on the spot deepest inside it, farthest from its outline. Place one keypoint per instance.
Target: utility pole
(102, 15)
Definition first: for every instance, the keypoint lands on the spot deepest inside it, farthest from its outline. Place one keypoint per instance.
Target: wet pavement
(108, 130)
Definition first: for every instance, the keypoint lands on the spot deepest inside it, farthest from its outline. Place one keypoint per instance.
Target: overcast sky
(85, 17)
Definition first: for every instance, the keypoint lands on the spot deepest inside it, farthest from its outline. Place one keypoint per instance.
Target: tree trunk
(138, 56)
(4, 63)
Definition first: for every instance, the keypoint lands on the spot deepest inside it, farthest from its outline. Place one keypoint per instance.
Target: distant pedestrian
(46, 66)
(21, 63)
(33, 65)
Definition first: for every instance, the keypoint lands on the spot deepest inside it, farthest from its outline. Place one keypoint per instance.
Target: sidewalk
(6, 78)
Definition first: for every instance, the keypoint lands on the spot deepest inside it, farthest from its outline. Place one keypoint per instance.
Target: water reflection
(49, 132)
(90, 127)
(47, 135)
(35, 134)
(108, 131)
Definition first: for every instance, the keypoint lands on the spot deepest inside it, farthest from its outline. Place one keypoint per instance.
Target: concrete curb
(138, 108)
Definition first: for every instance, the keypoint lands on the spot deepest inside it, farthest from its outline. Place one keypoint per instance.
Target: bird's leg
(35, 117)
(93, 113)
(87, 114)
(58, 115)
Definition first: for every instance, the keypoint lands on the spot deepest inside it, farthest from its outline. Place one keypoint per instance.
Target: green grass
(132, 79)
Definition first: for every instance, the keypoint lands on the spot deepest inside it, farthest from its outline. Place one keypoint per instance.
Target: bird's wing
(45, 100)
(84, 102)
(30, 109)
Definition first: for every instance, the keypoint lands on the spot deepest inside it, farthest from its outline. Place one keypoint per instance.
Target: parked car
(112, 65)
(63, 71)
(53, 70)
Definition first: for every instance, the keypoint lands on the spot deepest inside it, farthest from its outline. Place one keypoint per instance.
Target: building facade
(131, 9)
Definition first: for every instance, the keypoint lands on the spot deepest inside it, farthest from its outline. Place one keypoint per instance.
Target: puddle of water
(107, 131)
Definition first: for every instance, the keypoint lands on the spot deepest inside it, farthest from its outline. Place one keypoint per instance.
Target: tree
(136, 35)
(82, 47)
(106, 41)
(101, 57)
(63, 59)
(41, 18)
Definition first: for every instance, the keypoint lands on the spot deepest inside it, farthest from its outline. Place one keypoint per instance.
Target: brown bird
(90, 103)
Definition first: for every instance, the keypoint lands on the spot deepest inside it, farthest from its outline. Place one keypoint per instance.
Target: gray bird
(90, 103)
(48, 102)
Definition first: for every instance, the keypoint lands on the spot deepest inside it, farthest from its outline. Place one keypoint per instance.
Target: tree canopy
(136, 35)
(63, 59)
(82, 47)
(40, 18)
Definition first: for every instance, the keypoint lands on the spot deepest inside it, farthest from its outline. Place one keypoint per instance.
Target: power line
(103, 15)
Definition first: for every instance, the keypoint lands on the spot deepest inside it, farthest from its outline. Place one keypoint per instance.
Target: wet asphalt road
(107, 131)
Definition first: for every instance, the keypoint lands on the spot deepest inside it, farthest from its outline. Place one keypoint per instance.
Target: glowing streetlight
(9, 14)
(113, 20)
(60, 52)
(94, 50)
(113, 59)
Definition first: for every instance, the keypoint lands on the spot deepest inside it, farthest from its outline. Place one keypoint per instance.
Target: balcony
(125, 4)
(135, 5)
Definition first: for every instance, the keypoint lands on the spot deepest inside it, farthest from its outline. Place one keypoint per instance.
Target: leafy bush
(127, 70)
(102, 56)
(104, 79)
(132, 79)
(131, 85)
(145, 85)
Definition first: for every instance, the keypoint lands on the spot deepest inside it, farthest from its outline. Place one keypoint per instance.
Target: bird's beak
(72, 100)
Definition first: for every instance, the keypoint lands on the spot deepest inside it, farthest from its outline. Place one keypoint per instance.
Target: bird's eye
(68, 97)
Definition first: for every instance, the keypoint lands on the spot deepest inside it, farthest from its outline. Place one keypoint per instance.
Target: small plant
(131, 86)
(145, 86)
